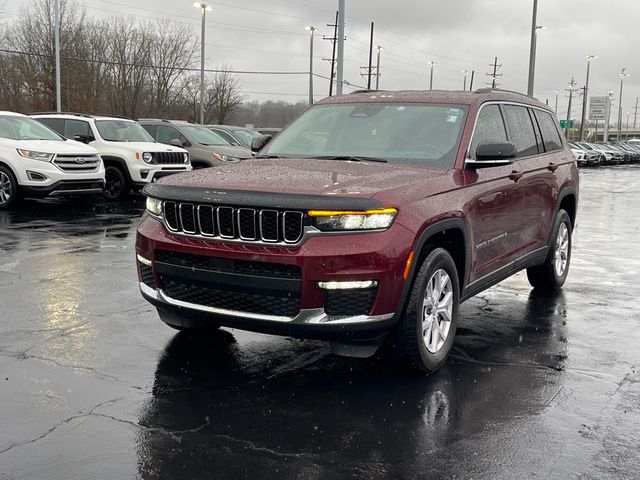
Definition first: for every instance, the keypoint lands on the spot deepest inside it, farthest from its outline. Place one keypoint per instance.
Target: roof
(71, 115)
(459, 97)
(11, 114)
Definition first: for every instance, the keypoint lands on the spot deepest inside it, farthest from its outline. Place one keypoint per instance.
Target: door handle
(516, 175)
(552, 166)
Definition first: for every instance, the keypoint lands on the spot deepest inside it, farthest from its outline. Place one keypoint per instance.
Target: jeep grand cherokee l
(369, 218)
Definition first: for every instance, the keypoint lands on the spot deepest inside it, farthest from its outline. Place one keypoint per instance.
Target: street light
(584, 97)
(431, 65)
(378, 50)
(532, 52)
(203, 13)
(312, 30)
(464, 84)
(556, 109)
(622, 77)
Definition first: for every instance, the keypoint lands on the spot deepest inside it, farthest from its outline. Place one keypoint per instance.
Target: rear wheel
(8, 188)
(551, 275)
(425, 335)
(116, 186)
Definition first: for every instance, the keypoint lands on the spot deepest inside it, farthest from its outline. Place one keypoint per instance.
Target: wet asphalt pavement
(93, 385)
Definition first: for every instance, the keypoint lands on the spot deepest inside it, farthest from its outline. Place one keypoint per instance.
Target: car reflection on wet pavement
(93, 385)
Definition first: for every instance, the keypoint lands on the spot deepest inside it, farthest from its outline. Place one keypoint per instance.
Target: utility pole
(635, 114)
(378, 50)
(464, 82)
(556, 109)
(532, 50)
(571, 89)
(431, 65)
(494, 76)
(312, 31)
(333, 54)
(340, 58)
(56, 14)
(370, 59)
(471, 82)
(584, 98)
(622, 77)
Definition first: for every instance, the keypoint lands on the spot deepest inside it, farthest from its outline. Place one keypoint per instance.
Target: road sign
(598, 107)
(563, 123)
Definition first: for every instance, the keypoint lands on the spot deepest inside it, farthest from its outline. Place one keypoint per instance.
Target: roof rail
(86, 115)
(365, 90)
(489, 90)
(112, 116)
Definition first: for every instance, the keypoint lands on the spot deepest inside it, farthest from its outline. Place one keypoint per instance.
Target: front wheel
(116, 186)
(8, 188)
(425, 335)
(551, 275)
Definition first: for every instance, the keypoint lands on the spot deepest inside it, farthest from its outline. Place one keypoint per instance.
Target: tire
(419, 346)
(551, 275)
(116, 186)
(8, 188)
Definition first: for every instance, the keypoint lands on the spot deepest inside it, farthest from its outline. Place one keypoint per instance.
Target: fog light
(349, 285)
(144, 174)
(35, 176)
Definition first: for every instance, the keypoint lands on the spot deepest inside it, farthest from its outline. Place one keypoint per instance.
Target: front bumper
(63, 188)
(379, 256)
(143, 173)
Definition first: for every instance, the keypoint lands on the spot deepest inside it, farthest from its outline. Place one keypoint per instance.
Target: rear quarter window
(56, 124)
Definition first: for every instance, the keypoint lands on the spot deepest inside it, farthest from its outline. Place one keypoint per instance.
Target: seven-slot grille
(77, 163)
(168, 158)
(234, 223)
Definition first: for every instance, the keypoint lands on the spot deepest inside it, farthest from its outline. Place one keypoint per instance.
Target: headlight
(147, 157)
(45, 157)
(186, 157)
(347, 220)
(154, 206)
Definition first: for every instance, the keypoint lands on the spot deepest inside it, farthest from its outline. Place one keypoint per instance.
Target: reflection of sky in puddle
(62, 296)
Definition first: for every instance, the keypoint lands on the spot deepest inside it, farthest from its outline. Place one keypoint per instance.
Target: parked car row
(52, 154)
(613, 153)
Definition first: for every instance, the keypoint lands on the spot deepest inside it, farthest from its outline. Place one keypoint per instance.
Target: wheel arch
(568, 201)
(6, 165)
(450, 234)
(120, 162)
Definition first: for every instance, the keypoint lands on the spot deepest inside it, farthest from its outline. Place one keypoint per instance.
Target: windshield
(419, 134)
(24, 128)
(245, 136)
(204, 136)
(122, 131)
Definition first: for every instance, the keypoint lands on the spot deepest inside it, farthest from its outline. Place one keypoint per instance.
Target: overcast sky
(456, 34)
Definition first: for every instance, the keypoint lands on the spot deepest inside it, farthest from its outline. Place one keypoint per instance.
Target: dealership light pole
(56, 26)
(532, 50)
(378, 51)
(312, 31)
(431, 65)
(622, 77)
(203, 13)
(556, 109)
(464, 82)
(584, 98)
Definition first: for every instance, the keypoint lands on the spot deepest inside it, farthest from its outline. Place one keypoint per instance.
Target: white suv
(132, 158)
(37, 162)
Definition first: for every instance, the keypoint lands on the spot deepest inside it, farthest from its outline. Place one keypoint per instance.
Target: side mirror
(83, 138)
(175, 142)
(258, 143)
(494, 154)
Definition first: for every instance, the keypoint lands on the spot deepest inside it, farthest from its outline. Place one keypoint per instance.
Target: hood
(147, 147)
(237, 152)
(339, 178)
(68, 147)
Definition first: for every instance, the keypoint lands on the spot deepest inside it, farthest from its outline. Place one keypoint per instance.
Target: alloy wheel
(562, 249)
(437, 310)
(5, 189)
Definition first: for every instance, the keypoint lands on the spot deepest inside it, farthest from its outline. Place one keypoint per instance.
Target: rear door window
(520, 130)
(56, 124)
(550, 134)
(77, 127)
(489, 128)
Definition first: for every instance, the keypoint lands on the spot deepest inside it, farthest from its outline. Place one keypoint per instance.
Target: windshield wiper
(353, 158)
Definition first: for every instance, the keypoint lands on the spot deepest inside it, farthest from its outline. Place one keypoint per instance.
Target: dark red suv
(369, 218)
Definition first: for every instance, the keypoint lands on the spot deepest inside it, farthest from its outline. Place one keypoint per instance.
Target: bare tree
(224, 91)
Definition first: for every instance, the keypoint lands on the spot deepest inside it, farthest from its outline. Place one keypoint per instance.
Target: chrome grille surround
(270, 226)
(81, 163)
